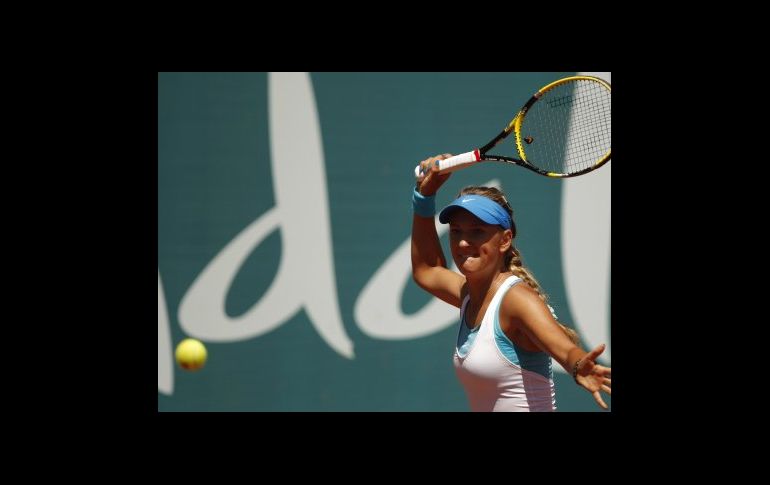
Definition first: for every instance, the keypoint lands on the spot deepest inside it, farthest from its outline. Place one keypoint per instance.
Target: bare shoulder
(522, 300)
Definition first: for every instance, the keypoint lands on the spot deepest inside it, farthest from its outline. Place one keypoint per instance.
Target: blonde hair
(513, 258)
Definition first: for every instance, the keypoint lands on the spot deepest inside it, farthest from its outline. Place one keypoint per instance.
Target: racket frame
(514, 126)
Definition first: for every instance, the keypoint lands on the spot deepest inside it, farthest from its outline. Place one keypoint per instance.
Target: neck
(485, 286)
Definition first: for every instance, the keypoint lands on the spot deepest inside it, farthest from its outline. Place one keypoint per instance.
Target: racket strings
(569, 129)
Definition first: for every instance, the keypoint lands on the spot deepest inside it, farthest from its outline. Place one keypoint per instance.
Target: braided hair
(513, 258)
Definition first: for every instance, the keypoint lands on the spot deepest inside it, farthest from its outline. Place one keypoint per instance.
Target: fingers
(599, 380)
(425, 167)
(429, 179)
(592, 355)
(599, 400)
(424, 171)
(597, 351)
(602, 371)
(428, 165)
(435, 168)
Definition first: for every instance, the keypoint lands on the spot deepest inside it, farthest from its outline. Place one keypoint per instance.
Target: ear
(506, 240)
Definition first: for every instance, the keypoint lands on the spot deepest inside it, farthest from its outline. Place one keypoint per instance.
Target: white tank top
(497, 374)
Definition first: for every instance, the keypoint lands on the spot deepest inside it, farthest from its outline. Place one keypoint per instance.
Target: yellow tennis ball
(191, 354)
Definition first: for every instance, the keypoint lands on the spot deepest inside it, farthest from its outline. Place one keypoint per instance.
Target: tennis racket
(564, 130)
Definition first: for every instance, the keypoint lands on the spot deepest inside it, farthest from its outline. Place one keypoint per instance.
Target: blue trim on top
(538, 361)
(470, 338)
(465, 336)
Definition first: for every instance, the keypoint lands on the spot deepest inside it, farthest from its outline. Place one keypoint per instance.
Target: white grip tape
(453, 163)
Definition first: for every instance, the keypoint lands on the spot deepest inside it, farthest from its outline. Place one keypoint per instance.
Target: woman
(507, 333)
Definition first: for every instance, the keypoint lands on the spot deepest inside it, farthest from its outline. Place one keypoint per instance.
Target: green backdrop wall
(284, 216)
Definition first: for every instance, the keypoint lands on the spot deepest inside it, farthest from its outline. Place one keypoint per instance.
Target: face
(476, 247)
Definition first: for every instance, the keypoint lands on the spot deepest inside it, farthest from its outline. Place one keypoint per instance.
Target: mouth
(462, 258)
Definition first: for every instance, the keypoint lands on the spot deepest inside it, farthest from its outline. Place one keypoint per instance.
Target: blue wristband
(424, 206)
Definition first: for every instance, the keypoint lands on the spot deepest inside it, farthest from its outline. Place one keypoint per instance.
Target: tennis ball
(191, 354)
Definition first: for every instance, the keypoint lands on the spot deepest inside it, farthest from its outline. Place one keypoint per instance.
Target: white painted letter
(378, 306)
(585, 243)
(306, 271)
(165, 364)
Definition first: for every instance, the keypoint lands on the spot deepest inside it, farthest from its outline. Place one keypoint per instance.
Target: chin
(466, 268)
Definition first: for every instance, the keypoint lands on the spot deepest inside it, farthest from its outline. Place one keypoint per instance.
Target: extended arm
(524, 306)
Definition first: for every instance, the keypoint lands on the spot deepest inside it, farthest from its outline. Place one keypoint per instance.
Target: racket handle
(452, 163)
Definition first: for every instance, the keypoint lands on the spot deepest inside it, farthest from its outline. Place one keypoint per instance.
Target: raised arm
(429, 267)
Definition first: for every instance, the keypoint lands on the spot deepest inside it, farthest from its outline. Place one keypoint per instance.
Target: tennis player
(507, 332)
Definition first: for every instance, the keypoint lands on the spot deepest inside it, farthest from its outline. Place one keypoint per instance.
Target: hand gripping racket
(564, 130)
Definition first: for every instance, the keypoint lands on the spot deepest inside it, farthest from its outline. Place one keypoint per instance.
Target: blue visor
(485, 209)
